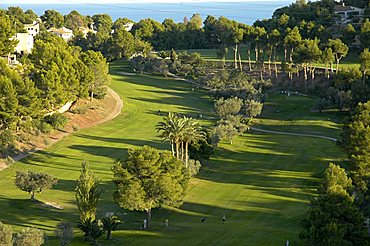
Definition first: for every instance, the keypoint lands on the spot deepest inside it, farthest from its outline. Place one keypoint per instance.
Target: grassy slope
(295, 114)
(351, 60)
(262, 182)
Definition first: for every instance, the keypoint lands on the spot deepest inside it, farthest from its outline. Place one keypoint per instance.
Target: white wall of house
(32, 29)
(25, 43)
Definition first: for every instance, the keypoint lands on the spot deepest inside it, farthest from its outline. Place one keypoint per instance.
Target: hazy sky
(122, 1)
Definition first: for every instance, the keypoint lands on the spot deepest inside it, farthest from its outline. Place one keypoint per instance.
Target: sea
(246, 12)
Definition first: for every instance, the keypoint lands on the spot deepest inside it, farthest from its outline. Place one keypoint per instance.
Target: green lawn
(351, 60)
(296, 114)
(262, 182)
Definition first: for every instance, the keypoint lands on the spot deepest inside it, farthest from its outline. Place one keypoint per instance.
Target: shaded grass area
(262, 183)
(296, 114)
(351, 60)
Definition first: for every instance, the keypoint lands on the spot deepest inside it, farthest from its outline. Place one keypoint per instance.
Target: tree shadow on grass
(135, 142)
(269, 165)
(185, 223)
(24, 212)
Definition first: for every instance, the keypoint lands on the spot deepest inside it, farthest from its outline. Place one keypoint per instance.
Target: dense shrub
(57, 120)
(6, 235)
(7, 141)
(30, 237)
(45, 127)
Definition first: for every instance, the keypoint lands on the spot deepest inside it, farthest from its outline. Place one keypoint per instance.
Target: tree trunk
(313, 73)
(32, 195)
(177, 150)
(305, 73)
(261, 74)
(364, 79)
(269, 62)
(297, 71)
(172, 148)
(262, 60)
(336, 72)
(326, 71)
(187, 154)
(249, 57)
(149, 217)
(235, 56)
(240, 62)
(256, 51)
(276, 68)
(285, 54)
(182, 151)
(92, 95)
(291, 55)
(109, 234)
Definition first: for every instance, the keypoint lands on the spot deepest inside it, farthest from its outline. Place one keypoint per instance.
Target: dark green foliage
(365, 34)
(64, 232)
(110, 223)
(100, 74)
(34, 182)
(333, 218)
(52, 18)
(45, 127)
(322, 103)
(92, 229)
(356, 144)
(56, 120)
(87, 193)
(149, 179)
(6, 32)
(7, 141)
(225, 84)
(201, 150)
(103, 23)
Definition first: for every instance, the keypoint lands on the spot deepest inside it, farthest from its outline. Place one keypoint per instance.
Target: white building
(86, 30)
(63, 32)
(32, 29)
(347, 12)
(129, 26)
(25, 43)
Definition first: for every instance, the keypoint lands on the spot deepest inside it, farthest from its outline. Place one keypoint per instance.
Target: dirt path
(115, 112)
(294, 134)
(86, 121)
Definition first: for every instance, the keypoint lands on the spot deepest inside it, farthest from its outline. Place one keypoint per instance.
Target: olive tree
(34, 182)
(228, 106)
(6, 235)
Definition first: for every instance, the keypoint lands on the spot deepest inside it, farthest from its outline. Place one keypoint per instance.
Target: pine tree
(87, 193)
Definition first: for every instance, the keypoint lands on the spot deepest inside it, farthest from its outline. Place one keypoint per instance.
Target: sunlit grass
(262, 183)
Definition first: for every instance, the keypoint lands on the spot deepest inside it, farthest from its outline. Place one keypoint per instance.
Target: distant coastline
(245, 12)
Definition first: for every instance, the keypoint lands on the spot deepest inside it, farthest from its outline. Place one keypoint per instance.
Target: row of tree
(52, 75)
(340, 214)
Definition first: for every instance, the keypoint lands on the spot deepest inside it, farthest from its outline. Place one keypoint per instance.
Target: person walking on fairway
(224, 218)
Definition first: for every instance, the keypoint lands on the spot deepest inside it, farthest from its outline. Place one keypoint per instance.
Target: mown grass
(351, 60)
(297, 114)
(262, 182)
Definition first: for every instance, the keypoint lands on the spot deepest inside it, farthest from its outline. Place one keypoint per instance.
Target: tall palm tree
(171, 128)
(192, 133)
(180, 131)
